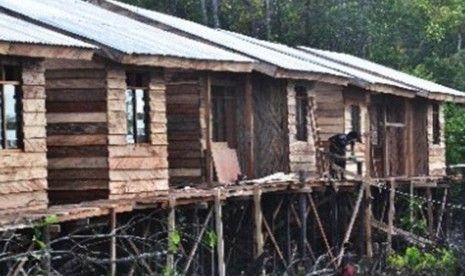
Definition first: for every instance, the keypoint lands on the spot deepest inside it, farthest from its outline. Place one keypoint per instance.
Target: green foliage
(415, 262)
(211, 239)
(174, 241)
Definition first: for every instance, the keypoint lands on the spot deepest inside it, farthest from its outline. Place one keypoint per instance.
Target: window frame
(16, 83)
(136, 82)
(356, 118)
(301, 113)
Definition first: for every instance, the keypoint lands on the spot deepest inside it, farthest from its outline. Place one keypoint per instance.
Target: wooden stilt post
(429, 204)
(47, 260)
(171, 230)
(392, 210)
(303, 220)
(258, 217)
(113, 242)
(368, 217)
(288, 228)
(412, 191)
(441, 212)
(219, 234)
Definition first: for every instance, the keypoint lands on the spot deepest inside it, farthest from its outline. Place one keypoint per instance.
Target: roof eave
(45, 51)
(186, 63)
(303, 75)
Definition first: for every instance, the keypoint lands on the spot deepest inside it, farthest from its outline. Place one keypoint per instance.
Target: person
(337, 148)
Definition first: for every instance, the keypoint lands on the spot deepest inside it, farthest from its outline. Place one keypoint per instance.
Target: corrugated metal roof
(15, 30)
(357, 74)
(380, 70)
(115, 31)
(283, 61)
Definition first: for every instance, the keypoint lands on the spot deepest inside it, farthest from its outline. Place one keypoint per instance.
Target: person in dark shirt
(337, 148)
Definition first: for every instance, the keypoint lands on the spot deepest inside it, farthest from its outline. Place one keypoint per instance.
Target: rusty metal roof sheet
(16, 30)
(87, 21)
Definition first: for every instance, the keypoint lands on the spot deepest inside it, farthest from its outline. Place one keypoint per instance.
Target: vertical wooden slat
(368, 217)
(249, 126)
(208, 138)
(219, 233)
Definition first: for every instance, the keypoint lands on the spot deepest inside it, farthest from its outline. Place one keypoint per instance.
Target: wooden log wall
(271, 137)
(186, 127)
(437, 152)
(86, 134)
(302, 154)
(23, 172)
(77, 130)
(136, 169)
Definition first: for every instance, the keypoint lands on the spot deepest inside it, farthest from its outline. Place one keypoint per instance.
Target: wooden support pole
(249, 121)
(219, 234)
(288, 228)
(47, 259)
(113, 242)
(429, 205)
(197, 242)
(303, 226)
(208, 131)
(258, 218)
(171, 231)
(368, 218)
(441, 212)
(412, 193)
(392, 211)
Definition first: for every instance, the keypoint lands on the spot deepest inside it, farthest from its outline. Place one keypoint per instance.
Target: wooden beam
(184, 63)
(441, 212)
(208, 125)
(45, 51)
(249, 126)
(197, 242)
(303, 228)
(219, 234)
(258, 218)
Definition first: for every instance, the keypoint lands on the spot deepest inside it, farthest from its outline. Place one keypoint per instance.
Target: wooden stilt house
(107, 132)
(301, 99)
(23, 160)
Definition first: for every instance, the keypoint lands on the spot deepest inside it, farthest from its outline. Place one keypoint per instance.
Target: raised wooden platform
(10, 220)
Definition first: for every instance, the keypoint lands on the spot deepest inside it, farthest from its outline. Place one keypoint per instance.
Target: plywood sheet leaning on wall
(23, 171)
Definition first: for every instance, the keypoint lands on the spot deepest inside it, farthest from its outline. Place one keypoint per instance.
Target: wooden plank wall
(271, 137)
(330, 110)
(136, 169)
(77, 130)
(420, 137)
(437, 153)
(186, 127)
(23, 173)
(356, 96)
(302, 154)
